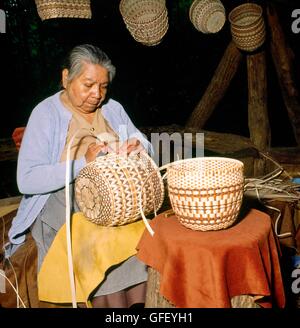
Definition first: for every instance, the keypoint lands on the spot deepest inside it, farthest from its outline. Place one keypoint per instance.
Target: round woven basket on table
(108, 189)
(207, 16)
(206, 193)
(63, 9)
(146, 20)
(247, 26)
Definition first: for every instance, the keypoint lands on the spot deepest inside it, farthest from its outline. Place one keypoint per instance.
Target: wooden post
(216, 143)
(217, 87)
(282, 58)
(155, 300)
(258, 121)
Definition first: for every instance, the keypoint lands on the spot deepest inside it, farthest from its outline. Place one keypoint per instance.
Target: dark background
(157, 85)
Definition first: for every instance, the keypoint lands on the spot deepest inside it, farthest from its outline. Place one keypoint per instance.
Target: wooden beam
(217, 87)
(282, 58)
(258, 121)
(213, 141)
(289, 155)
(8, 150)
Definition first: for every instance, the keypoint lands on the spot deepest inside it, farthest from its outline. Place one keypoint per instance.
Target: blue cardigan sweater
(40, 171)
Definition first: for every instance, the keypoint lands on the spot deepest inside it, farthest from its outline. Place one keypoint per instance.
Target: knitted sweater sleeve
(37, 172)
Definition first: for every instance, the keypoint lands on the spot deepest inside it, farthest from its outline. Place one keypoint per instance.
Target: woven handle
(68, 220)
(140, 197)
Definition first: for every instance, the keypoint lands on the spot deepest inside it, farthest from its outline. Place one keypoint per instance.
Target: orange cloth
(17, 136)
(206, 269)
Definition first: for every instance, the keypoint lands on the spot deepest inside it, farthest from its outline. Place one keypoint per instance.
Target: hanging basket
(108, 189)
(247, 26)
(146, 20)
(206, 193)
(63, 9)
(207, 16)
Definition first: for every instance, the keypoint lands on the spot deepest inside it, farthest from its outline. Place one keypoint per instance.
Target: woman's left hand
(131, 146)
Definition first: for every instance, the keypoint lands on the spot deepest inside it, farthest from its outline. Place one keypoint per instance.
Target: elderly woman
(82, 107)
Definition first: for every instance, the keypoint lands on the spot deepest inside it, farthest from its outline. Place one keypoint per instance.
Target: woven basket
(146, 20)
(206, 193)
(247, 26)
(63, 9)
(107, 190)
(207, 16)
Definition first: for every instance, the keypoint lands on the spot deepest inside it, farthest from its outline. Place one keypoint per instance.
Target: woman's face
(87, 90)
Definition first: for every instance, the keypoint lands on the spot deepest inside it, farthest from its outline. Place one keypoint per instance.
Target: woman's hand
(131, 146)
(94, 149)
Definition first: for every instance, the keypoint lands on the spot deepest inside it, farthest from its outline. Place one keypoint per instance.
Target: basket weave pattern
(107, 190)
(63, 9)
(146, 20)
(207, 16)
(206, 193)
(247, 26)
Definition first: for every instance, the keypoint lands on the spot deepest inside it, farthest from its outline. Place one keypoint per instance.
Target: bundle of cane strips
(271, 187)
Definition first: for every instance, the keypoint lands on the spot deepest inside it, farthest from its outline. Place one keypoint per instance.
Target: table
(207, 269)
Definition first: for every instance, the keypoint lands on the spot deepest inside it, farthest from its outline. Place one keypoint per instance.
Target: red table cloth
(206, 269)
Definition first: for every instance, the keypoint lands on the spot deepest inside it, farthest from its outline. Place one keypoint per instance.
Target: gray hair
(90, 54)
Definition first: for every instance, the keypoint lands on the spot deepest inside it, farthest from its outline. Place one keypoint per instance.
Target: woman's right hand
(94, 149)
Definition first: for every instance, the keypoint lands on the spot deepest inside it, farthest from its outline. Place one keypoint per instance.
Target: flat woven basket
(206, 193)
(146, 20)
(63, 9)
(207, 16)
(108, 189)
(247, 26)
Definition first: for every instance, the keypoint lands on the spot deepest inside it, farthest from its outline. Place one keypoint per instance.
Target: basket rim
(212, 3)
(242, 7)
(163, 17)
(48, 9)
(228, 159)
(130, 21)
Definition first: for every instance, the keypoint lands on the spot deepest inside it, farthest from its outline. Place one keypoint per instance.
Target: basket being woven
(206, 193)
(108, 189)
(247, 26)
(63, 9)
(207, 16)
(146, 20)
